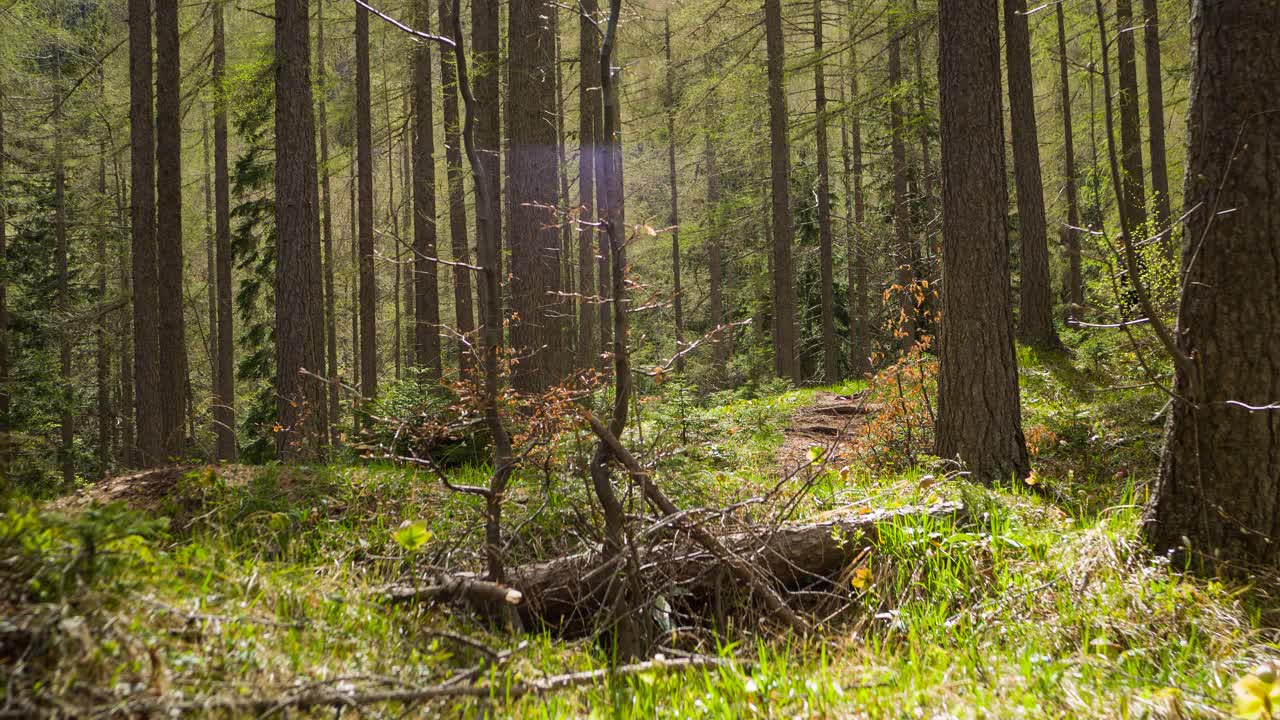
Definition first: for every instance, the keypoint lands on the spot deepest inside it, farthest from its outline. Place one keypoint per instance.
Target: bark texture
(855, 211)
(300, 400)
(426, 283)
(1219, 482)
(830, 351)
(459, 238)
(326, 207)
(1035, 320)
(224, 366)
(588, 350)
(979, 418)
(1133, 181)
(364, 201)
(1155, 121)
(673, 219)
(1069, 234)
(537, 330)
(172, 342)
(785, 333)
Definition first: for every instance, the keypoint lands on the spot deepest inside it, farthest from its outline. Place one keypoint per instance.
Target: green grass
(1028, 609)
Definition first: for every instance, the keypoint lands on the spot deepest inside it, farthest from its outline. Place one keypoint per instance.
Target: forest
(643, 358)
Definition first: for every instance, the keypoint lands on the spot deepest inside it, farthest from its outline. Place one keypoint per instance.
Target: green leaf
(412, 535)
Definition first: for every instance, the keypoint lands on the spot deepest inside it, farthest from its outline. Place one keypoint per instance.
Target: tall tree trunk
(719, 345)
(364, 164)
(979, 420)
(1035, 322)
(567, 308)
(300, 400)
(393, 215)
(67, 392)
(677, 302)
(928, 237)
(854, 212)
(326, 207)
(487, 55)
(142, 212)
(588, 355)
(1155, 123)
(536, 331)
(224, 418)
(905, 329)
(1218, 490)
(426, 288)
(353, 287)
(830, 352)
(1070, 236)
(603, 146)
(103, 351)
(458, 234)
(5, 425)
(211, 270)
(172, 342)
(126, 450)
(786, 337)
(1133, 192)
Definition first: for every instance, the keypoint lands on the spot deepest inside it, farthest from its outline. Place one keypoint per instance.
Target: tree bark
(364, 191)
(1035, 321)
(855, 212)
(673, 219)
(458, 235)
(928, 238)
(830, 352)
(66, 400)
(1069, 234)
(393, 215)
(1155, 124)
(5, 423)
(588, 355)
(905, 330)
(172, 342)
(426, 287)
(1133, 192)
(719, 345)
(487, 56)
(300, 400)
(537, 330)
(1218, 490)
(326, 207)
(979, 420)
(785, 333)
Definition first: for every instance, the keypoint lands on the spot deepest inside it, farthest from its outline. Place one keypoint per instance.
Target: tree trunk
(364, 191)
(172, 342)
(719, 344)
(1155, 124)
(1070, 235)
(1218, 491)
(67, 392)
(566, 307)
(1035, 321)
(979, 420)
(126, 449)
(673, 220)
(537, 333)
(928, 238)
(487, 133)
(830, 353)
(905, 327)
(588, 356)
(458, 234)
(855, 211)
(393, 215)
(142, 220)
(5, 424)
(300, 400)
(1133, 193)
(326, 207)
(785, 334)
(426, 288)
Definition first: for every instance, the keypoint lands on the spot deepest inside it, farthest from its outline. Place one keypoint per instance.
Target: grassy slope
(1035, 610)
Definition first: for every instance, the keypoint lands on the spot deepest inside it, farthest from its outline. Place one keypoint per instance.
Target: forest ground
(1040, 602)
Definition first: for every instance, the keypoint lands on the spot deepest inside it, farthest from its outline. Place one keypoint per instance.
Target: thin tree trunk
(426, 287)
(855, 209)
(364, 163)
(1134, 186)
(458, 235)
(978, 420)
(224, 418)
(1218, 491)
(567, 309)
(66, 401)
(170, 269)
(1155, 124)
(537, 333)
(211, 269)
(830, 352)
(300, 403)
(5, 425)
(1035, 321)
(588, 355)
(326, 207)
(1070, 236)
(486, 53)
(405, 251)
(786, 337)
(393, 216)
(926, 160)
(354, 285)
(719, 346)
(127, 449)
(905, 329)
(603, 254)
(677, 302)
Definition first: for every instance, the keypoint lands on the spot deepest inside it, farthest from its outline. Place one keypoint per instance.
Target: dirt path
(830, 422)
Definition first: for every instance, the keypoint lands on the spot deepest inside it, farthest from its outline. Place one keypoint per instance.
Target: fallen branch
(454, 588)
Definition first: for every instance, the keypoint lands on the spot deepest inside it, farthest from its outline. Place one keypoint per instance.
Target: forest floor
(222, 585)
